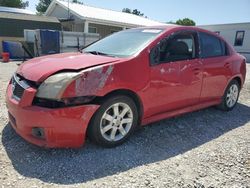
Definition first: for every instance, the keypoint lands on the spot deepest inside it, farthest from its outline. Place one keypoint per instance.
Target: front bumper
(63, 127)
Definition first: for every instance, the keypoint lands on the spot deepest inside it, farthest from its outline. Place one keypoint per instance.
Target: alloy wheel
(232, 95)
(116, 122)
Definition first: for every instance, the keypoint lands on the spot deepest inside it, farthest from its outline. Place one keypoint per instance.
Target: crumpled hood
(38, 69)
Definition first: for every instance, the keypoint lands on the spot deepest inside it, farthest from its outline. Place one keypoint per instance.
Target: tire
(113, 122)
(231, 94)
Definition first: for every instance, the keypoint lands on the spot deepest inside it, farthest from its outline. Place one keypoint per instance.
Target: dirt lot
(208, 148)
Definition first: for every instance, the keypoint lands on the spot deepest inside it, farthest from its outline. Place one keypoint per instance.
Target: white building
(237, 34)
(83, 18)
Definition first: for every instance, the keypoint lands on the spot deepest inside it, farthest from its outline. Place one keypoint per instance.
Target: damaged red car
(128, 79)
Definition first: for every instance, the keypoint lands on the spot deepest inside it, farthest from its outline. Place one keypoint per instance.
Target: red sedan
(131, 78)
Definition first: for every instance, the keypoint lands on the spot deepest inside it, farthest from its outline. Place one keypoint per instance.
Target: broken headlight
(53, 86)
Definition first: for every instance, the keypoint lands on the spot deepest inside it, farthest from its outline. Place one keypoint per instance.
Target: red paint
(165, 90)
(64, 127)
(39, 69)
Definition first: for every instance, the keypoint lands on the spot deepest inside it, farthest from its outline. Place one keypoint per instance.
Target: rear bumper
(64, 127)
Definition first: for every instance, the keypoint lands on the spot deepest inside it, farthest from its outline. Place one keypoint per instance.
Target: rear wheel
(114, 121)
(231, 96)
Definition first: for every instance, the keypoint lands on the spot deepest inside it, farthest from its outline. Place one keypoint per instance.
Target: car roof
(173, 26)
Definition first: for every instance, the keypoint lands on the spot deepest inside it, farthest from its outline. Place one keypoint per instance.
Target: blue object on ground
(14, 49)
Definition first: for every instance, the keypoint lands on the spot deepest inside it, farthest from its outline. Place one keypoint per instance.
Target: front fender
(99, 81)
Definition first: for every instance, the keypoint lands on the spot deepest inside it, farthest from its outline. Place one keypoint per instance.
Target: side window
(211, 46)
(225, 49)
(92, 29)
(177, 47)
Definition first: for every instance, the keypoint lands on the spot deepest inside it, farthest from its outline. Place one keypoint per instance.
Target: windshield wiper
(99, 53)
(95, 52)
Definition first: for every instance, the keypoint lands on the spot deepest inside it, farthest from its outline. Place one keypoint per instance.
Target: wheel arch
(238, 79)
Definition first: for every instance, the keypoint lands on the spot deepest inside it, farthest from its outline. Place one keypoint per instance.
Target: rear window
(211, 46)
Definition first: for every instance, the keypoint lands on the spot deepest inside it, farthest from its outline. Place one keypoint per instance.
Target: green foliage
(135, 11)
(14, 3)
(77, 1)
(186, 22)
(43, 5)
(127, 10)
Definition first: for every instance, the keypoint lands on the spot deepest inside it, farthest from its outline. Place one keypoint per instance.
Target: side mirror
(155, 55)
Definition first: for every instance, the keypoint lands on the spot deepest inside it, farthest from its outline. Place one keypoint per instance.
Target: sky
(202, 12)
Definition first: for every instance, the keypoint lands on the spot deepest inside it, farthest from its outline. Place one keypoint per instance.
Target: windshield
(125, 43)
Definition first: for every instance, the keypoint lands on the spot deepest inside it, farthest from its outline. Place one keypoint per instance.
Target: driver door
(176, 72)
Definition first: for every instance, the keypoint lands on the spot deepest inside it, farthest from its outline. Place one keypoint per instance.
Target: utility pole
(68, 11)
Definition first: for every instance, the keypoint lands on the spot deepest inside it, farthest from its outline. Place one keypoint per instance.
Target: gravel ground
(208, 148)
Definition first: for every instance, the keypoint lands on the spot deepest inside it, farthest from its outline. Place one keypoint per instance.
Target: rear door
(216, 66)
(176, 72)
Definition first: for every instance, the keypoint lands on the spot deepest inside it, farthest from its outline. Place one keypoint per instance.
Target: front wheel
(114, 121)
(231, 96)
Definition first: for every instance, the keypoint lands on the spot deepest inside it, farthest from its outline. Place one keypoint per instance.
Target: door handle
(196, 71)
(227, 65)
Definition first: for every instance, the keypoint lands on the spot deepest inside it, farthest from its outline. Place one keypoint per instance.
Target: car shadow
(157, 142)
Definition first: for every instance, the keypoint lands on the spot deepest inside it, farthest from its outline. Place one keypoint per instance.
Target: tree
(185, 21)
(43, 5)
(14, 3)
(135, 11)
(127, 10)
(77, 1)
